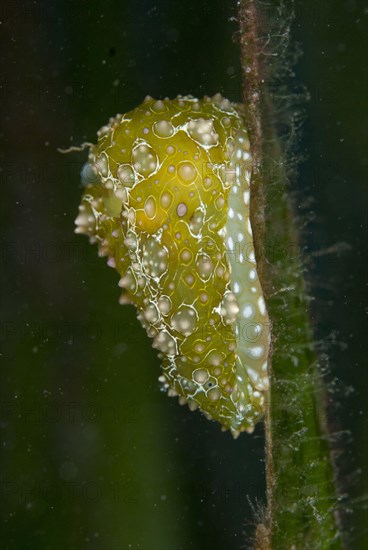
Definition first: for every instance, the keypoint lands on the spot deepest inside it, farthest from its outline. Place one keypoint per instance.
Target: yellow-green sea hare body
(167, 200)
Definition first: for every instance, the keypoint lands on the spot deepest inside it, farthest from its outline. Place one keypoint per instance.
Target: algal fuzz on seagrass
(167, 199)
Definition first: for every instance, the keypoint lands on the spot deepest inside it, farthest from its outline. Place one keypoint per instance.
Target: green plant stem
(302, 510)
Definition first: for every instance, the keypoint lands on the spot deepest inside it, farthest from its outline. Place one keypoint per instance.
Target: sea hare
(167, 199)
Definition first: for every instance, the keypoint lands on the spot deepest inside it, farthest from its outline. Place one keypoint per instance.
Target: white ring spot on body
(262, 305)
(181, 209)
(248, 311)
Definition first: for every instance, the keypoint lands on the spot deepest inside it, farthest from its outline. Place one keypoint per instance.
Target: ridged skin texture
(167, 201)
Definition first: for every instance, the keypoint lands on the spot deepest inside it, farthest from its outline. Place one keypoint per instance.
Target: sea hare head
(166, 199)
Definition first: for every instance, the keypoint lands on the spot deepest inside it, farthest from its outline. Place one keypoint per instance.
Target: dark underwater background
(93, 455)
